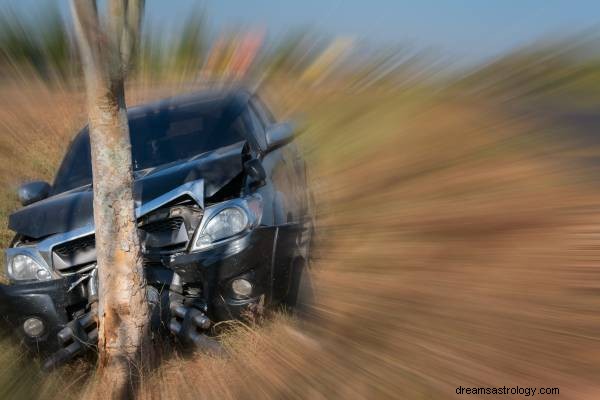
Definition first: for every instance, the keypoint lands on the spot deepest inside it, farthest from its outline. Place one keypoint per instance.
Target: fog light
(241, 287)
(33, 327)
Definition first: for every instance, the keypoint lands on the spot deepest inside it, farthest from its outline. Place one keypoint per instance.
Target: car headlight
(227, 223)
(227, 220)
(23, 267)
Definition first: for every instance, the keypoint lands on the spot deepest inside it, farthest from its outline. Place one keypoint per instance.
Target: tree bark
(123, 311)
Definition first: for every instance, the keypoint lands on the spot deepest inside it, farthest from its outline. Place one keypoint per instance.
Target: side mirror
(279, 135)
(33, 191)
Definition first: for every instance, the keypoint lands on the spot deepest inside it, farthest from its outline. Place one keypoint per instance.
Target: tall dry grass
(457, 247)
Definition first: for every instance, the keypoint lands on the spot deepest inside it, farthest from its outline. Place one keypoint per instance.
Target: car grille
(151, 262)
(69, 249)
(164, 232)
(78, 269)
(167, 225)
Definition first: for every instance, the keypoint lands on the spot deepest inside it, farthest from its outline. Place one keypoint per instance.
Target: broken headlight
(227, 220)
(22, 267)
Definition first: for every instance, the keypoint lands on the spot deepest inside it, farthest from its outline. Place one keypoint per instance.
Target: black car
(223, 214)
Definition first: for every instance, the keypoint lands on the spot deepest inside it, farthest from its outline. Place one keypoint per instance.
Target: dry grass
(458, 246)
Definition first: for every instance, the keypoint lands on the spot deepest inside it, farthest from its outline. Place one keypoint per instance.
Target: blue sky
(472, 30)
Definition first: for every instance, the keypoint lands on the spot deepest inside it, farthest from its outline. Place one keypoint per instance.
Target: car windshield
(159, 136)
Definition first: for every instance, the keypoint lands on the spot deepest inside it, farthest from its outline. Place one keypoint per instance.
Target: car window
(157, 138)
(172, 136)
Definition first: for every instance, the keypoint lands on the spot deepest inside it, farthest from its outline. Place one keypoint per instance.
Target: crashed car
(223, 213)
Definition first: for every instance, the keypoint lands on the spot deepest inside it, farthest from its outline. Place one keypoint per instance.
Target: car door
(290, 172)
(283, 191)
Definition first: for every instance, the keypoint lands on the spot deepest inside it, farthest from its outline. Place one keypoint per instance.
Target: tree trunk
(123, 311)
(122, 307)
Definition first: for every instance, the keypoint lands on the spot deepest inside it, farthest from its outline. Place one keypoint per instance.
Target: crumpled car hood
(74, 209)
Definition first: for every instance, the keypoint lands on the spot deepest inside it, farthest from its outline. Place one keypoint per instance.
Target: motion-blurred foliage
(555, 69)
(42, 44)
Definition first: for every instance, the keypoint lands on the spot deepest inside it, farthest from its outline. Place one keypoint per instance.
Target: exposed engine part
(85, 276)
(188, 324)
(92, 286)
(176, 285)
(76, 337)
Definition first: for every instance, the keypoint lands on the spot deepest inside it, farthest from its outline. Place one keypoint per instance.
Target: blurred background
(453, 152)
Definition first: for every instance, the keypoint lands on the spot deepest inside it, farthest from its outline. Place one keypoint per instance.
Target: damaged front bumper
(199, 292)
(249, 257)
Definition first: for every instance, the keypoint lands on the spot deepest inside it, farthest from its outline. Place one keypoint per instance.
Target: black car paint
(265, 254)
